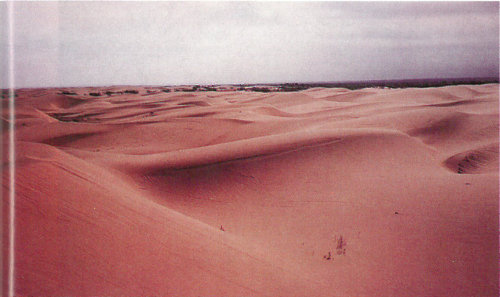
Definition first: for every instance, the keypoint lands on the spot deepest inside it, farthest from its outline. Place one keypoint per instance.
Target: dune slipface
(322, 192)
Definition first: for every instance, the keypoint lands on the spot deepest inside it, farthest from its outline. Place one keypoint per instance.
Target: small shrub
(264, 90)
(68, 93)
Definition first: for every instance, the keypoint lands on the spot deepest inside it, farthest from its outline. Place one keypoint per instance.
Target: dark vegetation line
(406, 83)
(293, 87)
(351, 85)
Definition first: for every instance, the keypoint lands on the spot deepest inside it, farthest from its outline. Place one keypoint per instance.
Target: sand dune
(323, 192)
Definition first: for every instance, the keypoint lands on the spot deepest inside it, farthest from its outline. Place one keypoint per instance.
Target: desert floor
(322, 192)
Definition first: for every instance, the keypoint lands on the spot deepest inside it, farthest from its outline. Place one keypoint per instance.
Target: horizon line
(488, 79)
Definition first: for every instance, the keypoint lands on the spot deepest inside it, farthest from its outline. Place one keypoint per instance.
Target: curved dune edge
(243, 149)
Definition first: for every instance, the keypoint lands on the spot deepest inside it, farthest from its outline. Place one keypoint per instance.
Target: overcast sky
(159, 43)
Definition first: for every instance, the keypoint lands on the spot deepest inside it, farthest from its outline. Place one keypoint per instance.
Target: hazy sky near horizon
(159, 43)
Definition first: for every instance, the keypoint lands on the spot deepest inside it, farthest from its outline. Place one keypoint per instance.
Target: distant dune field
(321, 192)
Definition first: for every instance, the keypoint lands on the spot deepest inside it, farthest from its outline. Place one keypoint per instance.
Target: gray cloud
(104, 43)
